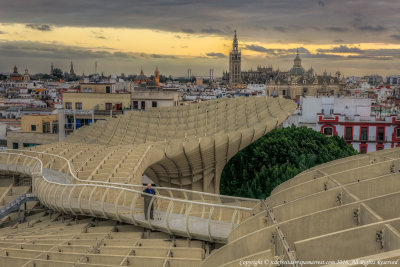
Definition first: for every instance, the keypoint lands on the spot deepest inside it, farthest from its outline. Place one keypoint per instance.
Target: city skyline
(356, 37)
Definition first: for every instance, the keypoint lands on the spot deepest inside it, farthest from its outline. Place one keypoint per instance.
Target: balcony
(377, 139)
(90, 112)
(328, 117)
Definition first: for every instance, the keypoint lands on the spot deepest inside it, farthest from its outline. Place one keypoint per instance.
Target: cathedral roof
(141, 76)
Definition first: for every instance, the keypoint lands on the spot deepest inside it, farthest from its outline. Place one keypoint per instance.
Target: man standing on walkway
(147, 200)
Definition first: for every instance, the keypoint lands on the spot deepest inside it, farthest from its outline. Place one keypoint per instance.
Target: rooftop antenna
(95, 67)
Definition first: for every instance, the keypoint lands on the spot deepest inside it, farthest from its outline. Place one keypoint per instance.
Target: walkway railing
(192, 216)
(56, 162)
(16, 204)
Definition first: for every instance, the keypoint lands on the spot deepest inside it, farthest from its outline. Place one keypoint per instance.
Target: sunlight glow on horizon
(154, 41)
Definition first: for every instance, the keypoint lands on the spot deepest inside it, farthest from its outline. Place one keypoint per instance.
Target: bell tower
(235, 58)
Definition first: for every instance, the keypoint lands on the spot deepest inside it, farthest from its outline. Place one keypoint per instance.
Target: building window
(349, 133)
(283, 92)
(33, 128)
(135, 105)
(328, 131)
(108, 106)
(398, 133)
(118, 106)
(380, 134)
(364, 134)
(363, 149)
(143, 105)
(78, 105)
(154, 104)
(68, 105)
(29, 145)
(46, 127)
(55, 127)
(108, 89)
(15, 145)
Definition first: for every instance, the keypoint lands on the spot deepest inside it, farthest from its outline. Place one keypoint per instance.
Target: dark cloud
(99, 35)
(2, 32)
(368, 54)
(280, 29)
(341, 49)
(301, 50)
(123, 55)
(372, 28)
(39, 50)
(161, 56)
(383, 58)
(277, 52)
(382, 53)
(216, 55)
(370, 57)
(256, 48)
(358, 54)
(336, 29)
(40, 27)
(261, 21)
(188, 30)
(191, 16)
(396, 37)
(210, 31)
(323, 56)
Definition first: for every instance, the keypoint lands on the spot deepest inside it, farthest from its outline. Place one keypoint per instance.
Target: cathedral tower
(235, 58)
(72, 71)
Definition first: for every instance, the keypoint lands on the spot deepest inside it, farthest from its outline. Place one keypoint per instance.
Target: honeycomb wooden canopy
(185, 146)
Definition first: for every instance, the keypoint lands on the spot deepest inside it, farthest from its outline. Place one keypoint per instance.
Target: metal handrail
(47, 190)
(127, 189)
(130, 185)
(47, 194)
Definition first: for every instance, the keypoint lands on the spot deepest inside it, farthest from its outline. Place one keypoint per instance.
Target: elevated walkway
(193, 214)
(16, 204)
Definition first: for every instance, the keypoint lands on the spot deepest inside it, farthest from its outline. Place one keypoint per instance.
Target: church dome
(297, 71)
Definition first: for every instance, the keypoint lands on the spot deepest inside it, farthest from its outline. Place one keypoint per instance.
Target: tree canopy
(58, 73)
(278, 156)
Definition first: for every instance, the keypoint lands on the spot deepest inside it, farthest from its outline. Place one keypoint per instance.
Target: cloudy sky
(356, 37)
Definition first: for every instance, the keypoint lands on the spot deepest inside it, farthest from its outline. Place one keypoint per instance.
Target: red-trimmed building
(365, 134)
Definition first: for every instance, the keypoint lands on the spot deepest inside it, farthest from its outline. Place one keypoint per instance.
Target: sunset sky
(357, 37)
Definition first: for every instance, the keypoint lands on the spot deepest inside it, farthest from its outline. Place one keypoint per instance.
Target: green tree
(58, 73)
(278, 156)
